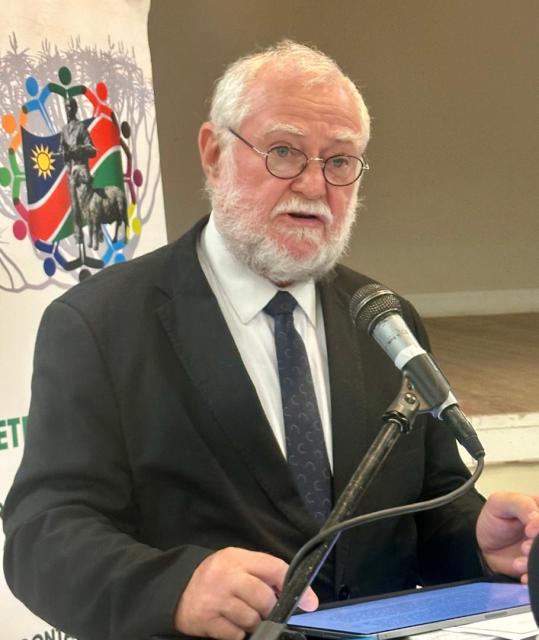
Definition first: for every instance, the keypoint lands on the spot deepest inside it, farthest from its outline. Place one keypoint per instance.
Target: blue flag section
(49, 202)
(43, 164)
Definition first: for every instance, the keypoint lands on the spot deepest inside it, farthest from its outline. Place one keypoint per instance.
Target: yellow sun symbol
(43, 161)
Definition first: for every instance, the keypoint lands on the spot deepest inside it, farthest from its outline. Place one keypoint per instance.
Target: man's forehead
(280, 92)
(271, 80)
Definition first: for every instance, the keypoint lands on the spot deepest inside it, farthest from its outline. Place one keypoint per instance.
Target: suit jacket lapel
(349, 404)
(203, 343)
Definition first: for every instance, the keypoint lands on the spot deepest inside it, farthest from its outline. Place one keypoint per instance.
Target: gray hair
(231, 104)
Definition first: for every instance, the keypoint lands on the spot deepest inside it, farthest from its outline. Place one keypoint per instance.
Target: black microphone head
(371, 303)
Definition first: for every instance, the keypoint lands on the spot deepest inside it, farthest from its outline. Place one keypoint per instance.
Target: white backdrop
(96, 52)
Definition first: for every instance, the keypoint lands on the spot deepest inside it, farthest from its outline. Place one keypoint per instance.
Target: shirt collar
(248, 292)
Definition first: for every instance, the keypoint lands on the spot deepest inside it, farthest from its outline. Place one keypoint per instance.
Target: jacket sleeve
(71, 550)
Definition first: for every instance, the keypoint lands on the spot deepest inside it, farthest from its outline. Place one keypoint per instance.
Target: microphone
(378, 311)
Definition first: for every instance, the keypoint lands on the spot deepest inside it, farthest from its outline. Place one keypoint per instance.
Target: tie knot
(282, 303)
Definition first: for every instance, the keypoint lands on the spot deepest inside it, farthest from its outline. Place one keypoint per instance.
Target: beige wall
(516, 476)
(452, 201)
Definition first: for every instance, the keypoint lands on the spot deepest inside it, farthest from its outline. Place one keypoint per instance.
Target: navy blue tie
(305, 445)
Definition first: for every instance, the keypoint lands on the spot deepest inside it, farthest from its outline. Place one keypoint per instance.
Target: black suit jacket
(147, 449)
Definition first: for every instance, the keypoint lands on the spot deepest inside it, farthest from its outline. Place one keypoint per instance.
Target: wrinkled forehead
(282, 97)
(279, 78)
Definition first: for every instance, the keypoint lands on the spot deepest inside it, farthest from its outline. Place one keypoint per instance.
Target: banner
(80, 187)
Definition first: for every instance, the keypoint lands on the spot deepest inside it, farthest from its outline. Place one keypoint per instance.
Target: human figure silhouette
(76, 148)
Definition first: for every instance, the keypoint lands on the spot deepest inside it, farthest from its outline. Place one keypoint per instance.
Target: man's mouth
(302, 211)
(304, 216)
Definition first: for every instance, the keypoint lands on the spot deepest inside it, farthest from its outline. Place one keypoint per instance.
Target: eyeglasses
(287, 162)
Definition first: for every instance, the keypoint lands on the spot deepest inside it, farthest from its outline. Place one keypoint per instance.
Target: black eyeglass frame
(322, 161)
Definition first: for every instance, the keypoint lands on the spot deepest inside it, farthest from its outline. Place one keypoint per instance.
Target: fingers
(507, 518)
(267, 568)
(260, 596)
(526, 547)
(308, 601)
(532, 527)
(230, 592)
(520, 563)
(224, 630)
(505, 504)
(273, 571)
(506, 522)
(241, 614)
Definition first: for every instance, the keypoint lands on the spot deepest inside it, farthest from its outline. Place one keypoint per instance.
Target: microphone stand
(398, 419)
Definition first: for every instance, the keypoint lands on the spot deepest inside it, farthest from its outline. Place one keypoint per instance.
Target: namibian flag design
(49, 203)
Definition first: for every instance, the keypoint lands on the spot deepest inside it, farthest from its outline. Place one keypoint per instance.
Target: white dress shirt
(242, 296)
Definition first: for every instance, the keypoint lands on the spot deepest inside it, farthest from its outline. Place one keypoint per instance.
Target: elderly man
(208, 420)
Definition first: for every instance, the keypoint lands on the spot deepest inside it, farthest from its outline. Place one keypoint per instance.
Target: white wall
(512, 445)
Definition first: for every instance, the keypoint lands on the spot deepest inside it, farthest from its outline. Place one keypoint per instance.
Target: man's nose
(311, 182)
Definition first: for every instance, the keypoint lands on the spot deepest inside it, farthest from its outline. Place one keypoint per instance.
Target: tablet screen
(420, 610)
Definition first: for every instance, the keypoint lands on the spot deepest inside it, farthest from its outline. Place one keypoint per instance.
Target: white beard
(238, 221)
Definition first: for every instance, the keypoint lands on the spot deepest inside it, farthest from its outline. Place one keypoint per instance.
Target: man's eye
(339, 162)
(281, 152)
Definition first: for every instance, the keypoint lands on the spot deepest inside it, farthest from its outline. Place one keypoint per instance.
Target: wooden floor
(492, 362)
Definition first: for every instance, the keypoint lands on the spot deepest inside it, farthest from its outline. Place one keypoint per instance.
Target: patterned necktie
(305, 445)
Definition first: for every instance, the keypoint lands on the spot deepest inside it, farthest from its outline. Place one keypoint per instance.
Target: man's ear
(210, 151)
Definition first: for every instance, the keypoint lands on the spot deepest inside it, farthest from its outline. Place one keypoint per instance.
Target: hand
(505, 530)
(230, 592)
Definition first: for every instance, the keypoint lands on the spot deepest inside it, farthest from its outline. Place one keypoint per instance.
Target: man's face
(292, 229)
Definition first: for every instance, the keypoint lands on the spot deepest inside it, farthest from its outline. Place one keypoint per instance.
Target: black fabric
(305, 446)
(147, 449)
(533, 578)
